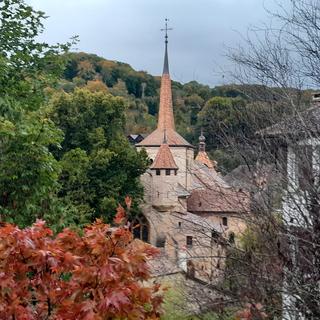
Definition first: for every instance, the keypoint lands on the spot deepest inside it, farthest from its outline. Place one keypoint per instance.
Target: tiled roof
(218, 200)
(162, 265)
(203, 157)
(164, 159)
(204, 177)
(166, 119)
(305, 122)
(156, 138)
(197, 221)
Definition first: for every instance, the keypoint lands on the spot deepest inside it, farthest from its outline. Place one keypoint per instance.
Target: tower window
(158, 172)
(179, 224)
(189, 241)
(168, 172)
(225, 221)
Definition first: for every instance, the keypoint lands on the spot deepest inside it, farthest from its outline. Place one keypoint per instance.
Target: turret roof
(164, 159)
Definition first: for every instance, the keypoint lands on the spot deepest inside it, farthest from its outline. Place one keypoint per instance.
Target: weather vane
(166, 29)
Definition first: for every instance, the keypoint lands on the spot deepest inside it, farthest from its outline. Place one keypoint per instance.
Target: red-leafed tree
(97, 275)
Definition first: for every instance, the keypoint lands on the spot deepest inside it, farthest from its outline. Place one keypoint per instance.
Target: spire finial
(202, 141)
(166, 63)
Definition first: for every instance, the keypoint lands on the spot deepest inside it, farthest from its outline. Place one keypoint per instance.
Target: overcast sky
(129, 31)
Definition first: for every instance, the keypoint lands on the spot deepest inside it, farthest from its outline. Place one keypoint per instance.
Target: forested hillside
(227, 114)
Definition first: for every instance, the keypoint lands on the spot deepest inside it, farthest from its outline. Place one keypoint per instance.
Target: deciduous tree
(97, 275)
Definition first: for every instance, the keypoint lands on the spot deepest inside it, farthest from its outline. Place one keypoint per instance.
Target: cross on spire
(166, 29)
(166, 63)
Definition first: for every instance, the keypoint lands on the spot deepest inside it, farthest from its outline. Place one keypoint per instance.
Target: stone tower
(181, 151)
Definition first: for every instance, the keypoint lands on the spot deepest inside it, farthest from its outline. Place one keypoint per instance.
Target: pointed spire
(202, 155)
(166, 60)
(165, 115)
(166, 119)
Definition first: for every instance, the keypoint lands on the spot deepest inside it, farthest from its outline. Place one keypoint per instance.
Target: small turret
(164, 159)
(202, 155)
(164, 174)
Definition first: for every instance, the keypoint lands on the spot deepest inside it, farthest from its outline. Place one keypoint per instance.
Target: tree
(99, 167)
(284, 59)
(221, 117)
(97, 275)
(28, 178)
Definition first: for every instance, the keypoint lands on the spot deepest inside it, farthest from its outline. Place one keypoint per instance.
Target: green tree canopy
(28, 171)
(99, 167)
(223, 118)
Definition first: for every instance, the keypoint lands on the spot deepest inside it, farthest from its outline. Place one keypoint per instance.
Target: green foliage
(229, 114)
(27, 66)
(222, 119)
(174, 306)
(29, 172)
(99, 167)
(249, 274)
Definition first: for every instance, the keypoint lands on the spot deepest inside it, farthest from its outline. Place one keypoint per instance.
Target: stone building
(295, 145)
(188, 209)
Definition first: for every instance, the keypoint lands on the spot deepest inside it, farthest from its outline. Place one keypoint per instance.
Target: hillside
(224, 112)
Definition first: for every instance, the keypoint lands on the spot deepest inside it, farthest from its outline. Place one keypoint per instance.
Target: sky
(129, 31)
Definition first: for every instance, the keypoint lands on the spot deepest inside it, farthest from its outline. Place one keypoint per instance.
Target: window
(140, 228)
(189, 241)
(175, 172)
(168, 172)
(225, 221)
(179, 224)
(158, 172)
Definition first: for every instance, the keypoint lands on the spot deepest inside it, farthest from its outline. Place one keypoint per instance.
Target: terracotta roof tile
(156, 138)
(203, 157)
(164, 159)
(218, 200)
(166, 119)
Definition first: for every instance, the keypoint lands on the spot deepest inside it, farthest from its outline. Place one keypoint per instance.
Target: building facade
(188, 209)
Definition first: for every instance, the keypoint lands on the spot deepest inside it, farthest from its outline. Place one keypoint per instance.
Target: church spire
(166, 60)
(165, 115)
(166, 119)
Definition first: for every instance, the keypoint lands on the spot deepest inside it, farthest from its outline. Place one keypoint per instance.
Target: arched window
(140, 228)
